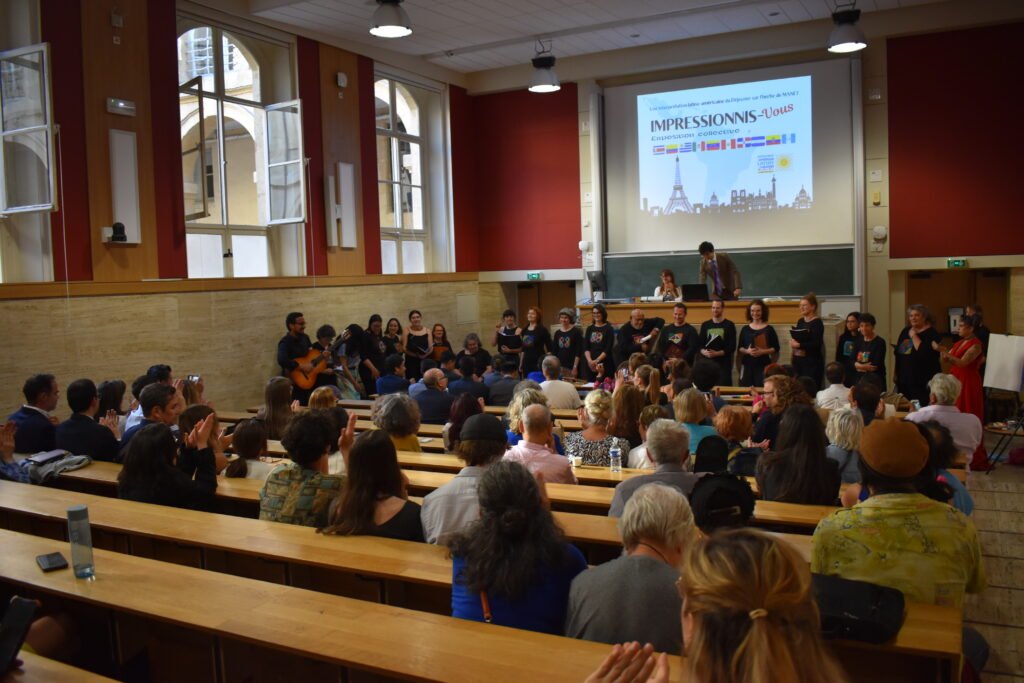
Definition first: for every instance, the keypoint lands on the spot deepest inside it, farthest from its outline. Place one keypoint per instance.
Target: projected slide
(729, 149)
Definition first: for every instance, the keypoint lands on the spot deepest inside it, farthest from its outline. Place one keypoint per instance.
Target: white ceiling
(476, 35)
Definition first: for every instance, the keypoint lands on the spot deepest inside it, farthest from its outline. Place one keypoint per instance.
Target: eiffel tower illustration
(678, 203)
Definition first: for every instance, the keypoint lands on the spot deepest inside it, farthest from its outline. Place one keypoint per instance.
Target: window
(243, 165)
(408, 133)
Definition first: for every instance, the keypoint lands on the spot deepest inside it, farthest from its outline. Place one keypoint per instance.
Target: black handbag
(857, 610)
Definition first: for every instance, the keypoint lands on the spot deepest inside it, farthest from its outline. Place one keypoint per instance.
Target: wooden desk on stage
(783, 313)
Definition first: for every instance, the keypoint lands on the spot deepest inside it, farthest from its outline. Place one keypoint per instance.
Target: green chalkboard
(765, 273)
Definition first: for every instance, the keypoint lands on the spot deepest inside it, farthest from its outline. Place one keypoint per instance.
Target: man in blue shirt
(393, 380)
(81, 434)
(36, 428)
(160, 403)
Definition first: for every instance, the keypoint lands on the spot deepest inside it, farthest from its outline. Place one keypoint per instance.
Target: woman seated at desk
(668, 287)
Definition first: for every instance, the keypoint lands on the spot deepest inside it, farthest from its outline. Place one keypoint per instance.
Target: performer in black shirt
(678, 340)
(567, 342)
(598, 342)
(506, 338)
(718, 341)
(809, 346)
(292, 350)
(536, 341)
(639, 335)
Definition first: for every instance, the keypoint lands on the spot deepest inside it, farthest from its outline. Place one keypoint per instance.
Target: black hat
(721, 500)
(483, 427)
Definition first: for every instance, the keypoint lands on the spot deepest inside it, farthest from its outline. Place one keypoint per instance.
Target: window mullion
(222, 153)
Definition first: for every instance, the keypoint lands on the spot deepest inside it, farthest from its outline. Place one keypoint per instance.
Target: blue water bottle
(81, 542)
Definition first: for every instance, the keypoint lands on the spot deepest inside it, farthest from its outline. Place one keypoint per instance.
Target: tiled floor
(999, 612)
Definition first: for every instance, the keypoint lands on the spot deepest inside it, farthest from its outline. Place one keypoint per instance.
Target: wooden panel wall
(341, 142)
(122, 71)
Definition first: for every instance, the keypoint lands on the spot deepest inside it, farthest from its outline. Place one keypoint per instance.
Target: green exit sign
(956, 263)
(533, 276)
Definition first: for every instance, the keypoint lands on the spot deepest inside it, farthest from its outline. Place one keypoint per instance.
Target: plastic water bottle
(615, 457)
(81, 542)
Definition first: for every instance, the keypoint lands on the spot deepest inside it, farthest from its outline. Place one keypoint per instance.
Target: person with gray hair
(668, 445)
(843, 430)
(633, 597)
(399, 416)
(917, 354)
(536, 450)
(434, 401)
(966, 428)
(561, 394)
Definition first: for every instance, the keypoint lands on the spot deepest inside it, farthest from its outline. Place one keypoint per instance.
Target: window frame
(48, 128)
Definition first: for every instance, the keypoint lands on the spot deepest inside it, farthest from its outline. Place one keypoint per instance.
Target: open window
(26, 131)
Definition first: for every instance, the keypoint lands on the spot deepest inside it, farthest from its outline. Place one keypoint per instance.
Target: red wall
(368, 166)
(62, 29)
(954, 101)
(313, 145)
(516, 180)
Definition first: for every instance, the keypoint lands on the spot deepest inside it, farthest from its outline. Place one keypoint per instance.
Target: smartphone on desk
(51, 562)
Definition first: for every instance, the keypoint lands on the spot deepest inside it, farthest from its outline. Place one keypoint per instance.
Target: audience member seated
(447, 365)
(81, 434)
(501, 389)
(866, 397)
(37, 429)
(648, 380)
(299, 492)
(693, 408)
(798, 471)
(638, 457)
(157, 374)
(160, 403)
(155, 472)
(942, 453)
(966, 428)
(192, 392)
(434, 401)
(375, 500)
(527, 393)
(399, 417)
(836, 395)
(843, 431)
(465, 407)
(451, 507)
(419, 387)
(705, 376)
(627, 403)
(513, 566)
(536, 450)
(393, 380)
(561, 395)
(469, 383)
(10, 469)
(721, 501)
(192, 416)
(111, 393)
(278, 407)
(593, 443)
(899, 537)
(473, 349)
(780, 392)
(634, 597)
(668, 444)
(249, 442)
(322, 398)
(734, 424)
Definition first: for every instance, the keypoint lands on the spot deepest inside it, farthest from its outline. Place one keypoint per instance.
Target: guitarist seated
(293, 353)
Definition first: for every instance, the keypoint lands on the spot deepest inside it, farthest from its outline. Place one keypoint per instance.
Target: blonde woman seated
(399, 416)
(322, 398)
(748, 615)
(844, 428)
(692, 407)
(593, 443)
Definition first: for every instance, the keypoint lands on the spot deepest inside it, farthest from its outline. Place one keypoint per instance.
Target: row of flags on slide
(733, 143)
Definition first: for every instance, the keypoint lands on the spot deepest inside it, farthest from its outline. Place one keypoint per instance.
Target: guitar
(307, 380)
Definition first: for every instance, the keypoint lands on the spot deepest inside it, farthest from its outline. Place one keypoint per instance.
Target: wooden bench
(241, 496)
(197, 625)
(213, 626)
(569, 423)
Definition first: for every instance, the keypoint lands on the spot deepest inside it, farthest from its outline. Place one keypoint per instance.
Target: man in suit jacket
(36, 427)
(726, 282)
(81, 434)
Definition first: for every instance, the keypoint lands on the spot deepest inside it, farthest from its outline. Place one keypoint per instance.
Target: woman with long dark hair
(513, 566)
(278, 407)
(111, 393)
(439, 341)
(417, 345)
(373, 352)
(465, 407)
(153, 471)
(374, 500)
(598, 342)
(798, 471)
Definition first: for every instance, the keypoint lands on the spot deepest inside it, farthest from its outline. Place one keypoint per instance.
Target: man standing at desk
(726, 282)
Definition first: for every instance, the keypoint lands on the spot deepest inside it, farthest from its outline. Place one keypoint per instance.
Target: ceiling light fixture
(544, 77)
(390, 20)
(847, 36)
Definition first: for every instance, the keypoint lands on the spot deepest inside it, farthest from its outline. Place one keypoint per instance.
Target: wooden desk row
(929, 632)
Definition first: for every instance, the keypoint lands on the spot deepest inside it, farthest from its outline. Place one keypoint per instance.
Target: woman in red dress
(965, 359)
